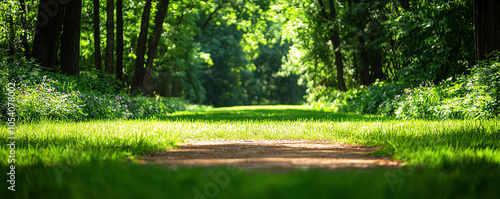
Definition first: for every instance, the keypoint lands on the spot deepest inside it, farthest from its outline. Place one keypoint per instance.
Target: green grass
(116, 180)
(463, 155)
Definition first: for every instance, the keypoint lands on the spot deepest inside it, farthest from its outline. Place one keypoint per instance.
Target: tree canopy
(235, 52)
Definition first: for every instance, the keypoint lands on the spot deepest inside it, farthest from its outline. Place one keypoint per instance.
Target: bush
(370, 100)
(43, 101)
(475, 96)
(47, 95)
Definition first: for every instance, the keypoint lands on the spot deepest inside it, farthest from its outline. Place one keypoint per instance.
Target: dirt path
(270, 154)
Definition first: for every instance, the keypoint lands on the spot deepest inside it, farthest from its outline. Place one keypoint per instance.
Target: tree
(24, 37)
(110, 31)
(119, 39)
(139, 71)
(12, 35)
(47, 31)
(97, 37)
(144, 80)
(70, 39)
(335, 39)
(486, 27)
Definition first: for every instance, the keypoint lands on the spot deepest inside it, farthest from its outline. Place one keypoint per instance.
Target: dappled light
(250, 99)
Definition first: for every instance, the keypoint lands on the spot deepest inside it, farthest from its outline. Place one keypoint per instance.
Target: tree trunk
(155, 40)
(150, 84)
(376, 66)
(110, 31)
(48, 29)
(139, 70)
(119, 39)
(365, 66)
(486, 27)
(176, 92)
(24, 37)
(97, 37)
(335, 39)
(70, 39)
(338, 61)
(168, 82)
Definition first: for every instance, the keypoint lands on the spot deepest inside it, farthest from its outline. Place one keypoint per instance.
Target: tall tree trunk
(365, 66)
(48, 29)
(110, 39)
(168, 82)
(24, 37)
(376, 66)
(119, 39)
(176, 92)
(486, 27)
(70, 39)
(150, 84)
(97, 37)
(157, 30)
(139, 70)
(335, 39)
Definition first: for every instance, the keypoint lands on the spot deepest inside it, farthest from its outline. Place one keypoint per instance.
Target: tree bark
(97, 37)
(119, 39)
(335, 39)
(139, 70)
(110, 32)
(47, 31)
(365, 67)
(157, 30)
(486, 27)
(70, 39)
(376, 66)
(150, 84)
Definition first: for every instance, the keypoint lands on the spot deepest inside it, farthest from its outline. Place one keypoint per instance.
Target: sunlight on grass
(461, 157)
(432, 143)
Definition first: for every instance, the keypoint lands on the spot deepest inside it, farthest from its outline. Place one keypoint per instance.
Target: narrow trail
(270, 155)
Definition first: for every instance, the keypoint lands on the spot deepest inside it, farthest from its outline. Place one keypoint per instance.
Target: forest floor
(271, 155)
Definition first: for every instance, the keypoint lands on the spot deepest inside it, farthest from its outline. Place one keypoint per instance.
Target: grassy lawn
(95, 159)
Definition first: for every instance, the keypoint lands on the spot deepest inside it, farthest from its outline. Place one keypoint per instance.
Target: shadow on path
(271, 154)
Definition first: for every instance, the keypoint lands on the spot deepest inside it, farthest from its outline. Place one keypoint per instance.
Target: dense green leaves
(234, 52)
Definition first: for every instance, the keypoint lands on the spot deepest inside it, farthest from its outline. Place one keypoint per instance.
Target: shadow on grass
(269, 114)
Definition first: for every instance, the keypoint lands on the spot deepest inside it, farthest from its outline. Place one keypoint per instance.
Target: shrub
(43, 101)
(474, 96)
(47, 95)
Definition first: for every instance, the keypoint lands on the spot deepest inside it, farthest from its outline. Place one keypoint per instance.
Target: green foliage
(473, 96)
(46, 95)
(39, 101)
(370, 100)
(434, 40)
